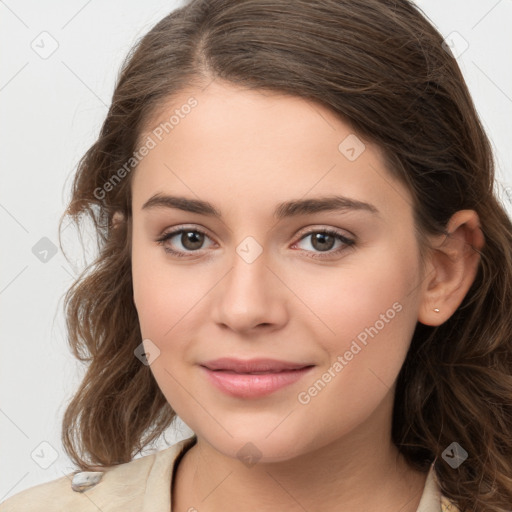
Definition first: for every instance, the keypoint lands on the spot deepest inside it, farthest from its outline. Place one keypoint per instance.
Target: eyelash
(346, 241)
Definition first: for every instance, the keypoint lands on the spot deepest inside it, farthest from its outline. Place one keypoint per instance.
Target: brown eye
(183, 241)
(192, 240)
(322, 241)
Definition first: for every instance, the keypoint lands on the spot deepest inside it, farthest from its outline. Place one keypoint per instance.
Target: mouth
(255, 384)
(253, 366)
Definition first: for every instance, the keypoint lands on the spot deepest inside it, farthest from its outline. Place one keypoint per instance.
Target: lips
(257, 384)
(253, 366)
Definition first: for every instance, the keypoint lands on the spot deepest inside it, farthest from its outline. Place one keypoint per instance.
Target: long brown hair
(381, 66)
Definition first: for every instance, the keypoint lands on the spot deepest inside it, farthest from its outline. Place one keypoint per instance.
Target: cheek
(163, 293)
(365, 313)
(164, 299)
(368, 318)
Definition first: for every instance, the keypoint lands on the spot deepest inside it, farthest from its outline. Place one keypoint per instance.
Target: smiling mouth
(252, 385)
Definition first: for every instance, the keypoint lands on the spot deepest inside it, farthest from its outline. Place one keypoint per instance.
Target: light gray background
(51, 111)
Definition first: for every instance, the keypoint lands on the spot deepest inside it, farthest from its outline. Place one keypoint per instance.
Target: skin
(244, 152)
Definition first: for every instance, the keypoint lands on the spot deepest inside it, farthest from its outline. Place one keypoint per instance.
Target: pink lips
(235, 377)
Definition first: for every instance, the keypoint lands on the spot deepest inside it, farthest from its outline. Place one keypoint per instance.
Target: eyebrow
(283, 210)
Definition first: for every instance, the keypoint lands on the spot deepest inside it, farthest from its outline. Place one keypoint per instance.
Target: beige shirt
(144, 485)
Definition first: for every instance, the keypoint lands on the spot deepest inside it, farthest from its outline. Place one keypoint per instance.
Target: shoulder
(58, 495)
(121, 487)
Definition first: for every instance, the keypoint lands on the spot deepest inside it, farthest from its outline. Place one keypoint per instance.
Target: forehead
(248, 149)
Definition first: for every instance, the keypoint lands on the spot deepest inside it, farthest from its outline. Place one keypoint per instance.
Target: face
(263, 280)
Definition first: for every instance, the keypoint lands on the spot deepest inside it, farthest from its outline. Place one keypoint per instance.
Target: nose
(251, 296)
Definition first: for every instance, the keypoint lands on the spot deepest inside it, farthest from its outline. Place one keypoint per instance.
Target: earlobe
(452, 268)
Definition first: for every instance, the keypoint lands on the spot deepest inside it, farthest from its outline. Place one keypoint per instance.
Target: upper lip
(252, 365)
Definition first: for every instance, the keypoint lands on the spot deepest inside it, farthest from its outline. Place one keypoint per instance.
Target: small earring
(436, 310)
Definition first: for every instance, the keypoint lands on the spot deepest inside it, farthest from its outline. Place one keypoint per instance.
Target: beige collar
(432, 500)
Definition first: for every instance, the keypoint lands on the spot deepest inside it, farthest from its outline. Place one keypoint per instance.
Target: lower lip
(243, 385)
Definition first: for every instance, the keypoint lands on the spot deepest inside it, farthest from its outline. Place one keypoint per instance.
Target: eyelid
(318, 228)
(185, 227)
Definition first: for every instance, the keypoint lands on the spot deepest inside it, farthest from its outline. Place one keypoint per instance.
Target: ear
(451, 268)
(117, 218)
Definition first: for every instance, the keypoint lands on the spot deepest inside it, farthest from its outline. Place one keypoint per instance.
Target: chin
(255, 445)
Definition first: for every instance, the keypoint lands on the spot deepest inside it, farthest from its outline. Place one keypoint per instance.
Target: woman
(303, 258)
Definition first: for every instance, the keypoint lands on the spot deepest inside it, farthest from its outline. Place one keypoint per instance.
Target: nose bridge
(250, 294)
(248, 281)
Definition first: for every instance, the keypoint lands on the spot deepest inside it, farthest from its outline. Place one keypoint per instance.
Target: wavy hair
(381, 66)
